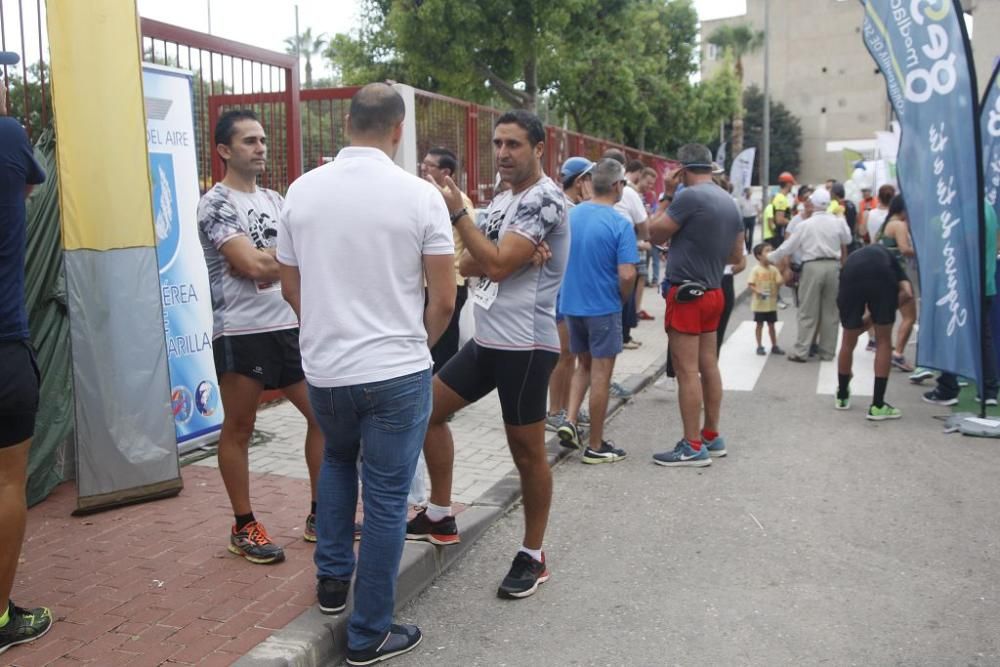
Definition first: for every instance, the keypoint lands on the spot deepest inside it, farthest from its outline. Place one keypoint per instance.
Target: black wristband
(458, 215)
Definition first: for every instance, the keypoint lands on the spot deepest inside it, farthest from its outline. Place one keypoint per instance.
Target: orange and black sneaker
(254, 544)
(309, 533)
(441, 533)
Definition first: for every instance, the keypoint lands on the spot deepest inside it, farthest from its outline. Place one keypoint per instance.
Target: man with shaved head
(347, 225)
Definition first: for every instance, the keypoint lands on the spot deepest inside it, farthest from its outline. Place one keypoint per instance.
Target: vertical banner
(923, 52)
(184, 290)
(990, 131)
(741, 173)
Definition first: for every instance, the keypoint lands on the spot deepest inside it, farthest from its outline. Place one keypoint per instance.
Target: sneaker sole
(717, 453)
(837, 406)
(946, 403)
(520, 595)
(29, 639)
(309, 538)
(443, 541)
(684, 464)
(387, 656)
(331, 611)
(256, 559)
(882, 418)
(566, 440)
(603, 459)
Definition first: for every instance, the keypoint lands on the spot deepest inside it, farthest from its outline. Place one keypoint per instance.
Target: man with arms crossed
(705, 233)
(19, 380)
(365, 353)
(519, 255)
(256, 336)
(599, 278)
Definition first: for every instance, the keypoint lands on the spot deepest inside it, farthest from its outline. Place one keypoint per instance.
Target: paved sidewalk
(154, 584)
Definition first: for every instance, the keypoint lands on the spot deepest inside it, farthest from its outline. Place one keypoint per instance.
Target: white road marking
(738, 361)
(863, 368)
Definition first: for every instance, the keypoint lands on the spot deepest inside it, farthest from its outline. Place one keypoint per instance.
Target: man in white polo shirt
(346, 226)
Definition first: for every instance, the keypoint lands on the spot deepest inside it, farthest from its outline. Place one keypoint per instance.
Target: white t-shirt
(358, 228)
(876, 218)
(631, 206)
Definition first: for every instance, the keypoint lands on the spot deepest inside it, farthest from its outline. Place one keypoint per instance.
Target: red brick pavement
(154, 584)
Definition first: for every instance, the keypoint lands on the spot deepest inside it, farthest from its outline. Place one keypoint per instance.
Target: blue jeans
(385, 422)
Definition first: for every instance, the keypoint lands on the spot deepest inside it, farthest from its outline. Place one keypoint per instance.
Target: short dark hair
(758, 249)
(634, 166)
(615, 155)
(885, 194)
(446, 159)
(649, 171)
(376, 109)
(837, 191)
(527, 121)
(225, 127)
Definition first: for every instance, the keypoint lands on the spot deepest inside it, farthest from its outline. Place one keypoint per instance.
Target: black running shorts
(520, 377)
(272, 358)
(869, 280)
(19, 382)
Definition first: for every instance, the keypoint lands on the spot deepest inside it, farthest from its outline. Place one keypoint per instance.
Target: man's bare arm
(439, 271)
(248, 261)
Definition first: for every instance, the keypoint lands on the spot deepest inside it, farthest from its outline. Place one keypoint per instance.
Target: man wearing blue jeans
(366, 354)
(600, 276)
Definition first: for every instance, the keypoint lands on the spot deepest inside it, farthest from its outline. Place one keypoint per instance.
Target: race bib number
(486, 293)
(264, 288)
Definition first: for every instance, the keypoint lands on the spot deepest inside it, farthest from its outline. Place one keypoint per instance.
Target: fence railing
(22, 30)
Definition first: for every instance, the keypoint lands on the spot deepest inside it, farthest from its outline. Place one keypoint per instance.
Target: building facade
(822, 72)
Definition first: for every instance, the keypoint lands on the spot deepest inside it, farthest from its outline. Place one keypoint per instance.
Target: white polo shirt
(358, 229)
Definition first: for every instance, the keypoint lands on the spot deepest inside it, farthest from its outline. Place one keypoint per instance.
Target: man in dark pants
(438, 164)
(19, 381)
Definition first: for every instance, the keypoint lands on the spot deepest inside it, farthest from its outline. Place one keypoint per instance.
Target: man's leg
(240, 398)
(439, 446)
(730, 300)
(559, 383)
(640, 289)
(845, 364)
(13, 507)
(527, 448)
(298, 394)
(684, 350)
(711, 382)
(393, 424)
(883, 364)
(447, 344)
(601, 370)
(829, 313)
(578, 387)
(810, 292)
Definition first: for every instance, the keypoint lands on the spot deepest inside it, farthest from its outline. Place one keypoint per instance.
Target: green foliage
(306, 47)
(620, 69)
(738, 40)
(24, 99)
(786, 134)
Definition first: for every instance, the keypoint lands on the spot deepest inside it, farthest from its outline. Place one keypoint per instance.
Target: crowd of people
(556, 273)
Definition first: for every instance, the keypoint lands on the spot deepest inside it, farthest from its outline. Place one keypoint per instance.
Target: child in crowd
(765, 280)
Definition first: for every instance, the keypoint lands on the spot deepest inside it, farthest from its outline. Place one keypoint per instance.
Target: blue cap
(9, 58)
(574, 167)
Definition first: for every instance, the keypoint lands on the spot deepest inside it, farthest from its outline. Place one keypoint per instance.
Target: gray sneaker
(554, 421)
(618, 391)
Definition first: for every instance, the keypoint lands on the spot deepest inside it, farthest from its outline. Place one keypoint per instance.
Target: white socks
(437, 512)
(534, 553)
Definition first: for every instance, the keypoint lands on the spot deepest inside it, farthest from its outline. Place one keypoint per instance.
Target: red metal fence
(230, 74)
(22, 30)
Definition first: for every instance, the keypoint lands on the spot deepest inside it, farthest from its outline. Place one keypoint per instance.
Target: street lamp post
(765, 158)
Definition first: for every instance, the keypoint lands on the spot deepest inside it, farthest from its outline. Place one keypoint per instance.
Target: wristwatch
(457, 215)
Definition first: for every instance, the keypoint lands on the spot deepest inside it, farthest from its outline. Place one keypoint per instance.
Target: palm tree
(306, 46)
(737, 40)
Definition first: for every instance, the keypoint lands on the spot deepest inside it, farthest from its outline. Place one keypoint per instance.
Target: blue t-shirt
(18, 169)
(600, 240)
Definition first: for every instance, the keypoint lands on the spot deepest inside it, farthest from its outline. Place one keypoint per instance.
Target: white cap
(820, 198)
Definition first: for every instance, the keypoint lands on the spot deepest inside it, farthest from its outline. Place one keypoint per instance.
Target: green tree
(306, 46)
(786, 134)
(27, 97)
(737, 41)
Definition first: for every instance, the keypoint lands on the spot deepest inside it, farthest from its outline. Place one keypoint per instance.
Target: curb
(316, 640)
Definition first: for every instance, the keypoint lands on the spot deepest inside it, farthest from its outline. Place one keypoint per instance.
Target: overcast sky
(266, 23)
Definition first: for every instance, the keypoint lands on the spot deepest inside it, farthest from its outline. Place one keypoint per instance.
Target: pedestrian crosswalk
(741, 368)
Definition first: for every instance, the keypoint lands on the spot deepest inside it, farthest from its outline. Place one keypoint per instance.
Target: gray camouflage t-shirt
(241, 305)
(709, 223)
(519, 313)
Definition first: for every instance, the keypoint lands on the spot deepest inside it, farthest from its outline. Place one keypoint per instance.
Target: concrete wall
(821, 71)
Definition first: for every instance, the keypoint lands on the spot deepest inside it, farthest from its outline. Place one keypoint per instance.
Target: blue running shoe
(684, 455)
(715, 447)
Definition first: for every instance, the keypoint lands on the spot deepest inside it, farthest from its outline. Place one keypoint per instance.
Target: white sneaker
(666, 382)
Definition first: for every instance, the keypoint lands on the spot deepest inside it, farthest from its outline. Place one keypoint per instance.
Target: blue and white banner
(990, 131)
(187, 301)
(923, 52)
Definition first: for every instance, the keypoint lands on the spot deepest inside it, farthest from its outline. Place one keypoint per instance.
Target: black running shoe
(24, 625)
(441, 533)
(332, 594)
(399, 640)
(608, 453)
(568, 436)
(525, 575)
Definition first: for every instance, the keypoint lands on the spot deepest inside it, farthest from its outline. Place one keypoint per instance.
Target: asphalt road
(821, 539)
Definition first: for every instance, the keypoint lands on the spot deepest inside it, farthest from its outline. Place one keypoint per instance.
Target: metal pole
(209, 4)
(765, 158)
(297, 38)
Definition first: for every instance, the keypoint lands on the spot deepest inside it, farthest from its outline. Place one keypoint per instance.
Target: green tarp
(45, 285)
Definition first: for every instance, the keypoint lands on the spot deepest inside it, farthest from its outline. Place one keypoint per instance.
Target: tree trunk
(309, 73)
(530, 82)
(738, 132)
